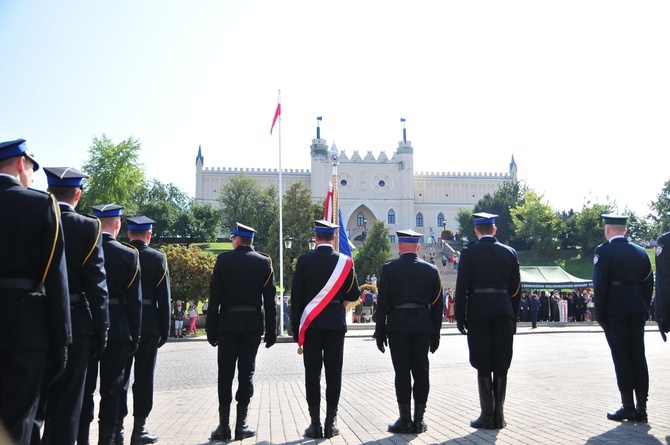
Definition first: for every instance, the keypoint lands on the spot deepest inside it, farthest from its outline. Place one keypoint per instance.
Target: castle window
(343, 183)
(360, 219)
(419, 220)
(392, 239)
(390, 217)
(440, 220)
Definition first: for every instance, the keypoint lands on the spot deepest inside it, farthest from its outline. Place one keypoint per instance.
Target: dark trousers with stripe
(409, 354)
(237, 348)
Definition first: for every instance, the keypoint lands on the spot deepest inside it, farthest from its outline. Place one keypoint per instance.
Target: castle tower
(405, 157)
(199, 162)
(513, 168)
(321, 167)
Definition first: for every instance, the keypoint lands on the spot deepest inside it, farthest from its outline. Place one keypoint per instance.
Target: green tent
(550, 277)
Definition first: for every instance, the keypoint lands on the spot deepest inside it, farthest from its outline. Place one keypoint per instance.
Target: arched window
(440, 220)
(360, 219)
(419, 220)
(390, 217)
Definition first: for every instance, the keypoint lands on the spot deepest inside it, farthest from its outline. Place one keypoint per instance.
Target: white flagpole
(281, 233)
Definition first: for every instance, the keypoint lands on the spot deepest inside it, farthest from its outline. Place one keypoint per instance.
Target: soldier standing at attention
(33, 280)
(155, 328)
(125, 315)
(409, 314)
(88, 305)
(487, 307)
(662, 301)
(242, 282)
(324, 279)
(623, 282)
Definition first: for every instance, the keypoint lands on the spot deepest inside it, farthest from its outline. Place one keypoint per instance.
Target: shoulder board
(129, 245)
(471, 242)
(42, 192)
(88, 216)
(264, 254)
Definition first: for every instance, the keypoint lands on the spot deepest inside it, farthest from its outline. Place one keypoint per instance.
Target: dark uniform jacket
(409, 280)
(125, 294)
(31, 248)
(155, 290)
(86, 272)
(488, 281)
(662, 301)
(241, 277)
(622, 279)
(312, 271)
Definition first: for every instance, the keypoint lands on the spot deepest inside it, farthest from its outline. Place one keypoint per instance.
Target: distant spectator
(178, 316)
(193, 318)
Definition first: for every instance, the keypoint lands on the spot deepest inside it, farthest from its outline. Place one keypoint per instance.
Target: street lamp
(365, 229)
(288, 242)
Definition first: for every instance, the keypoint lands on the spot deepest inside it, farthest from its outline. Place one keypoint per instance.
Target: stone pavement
(561, 385)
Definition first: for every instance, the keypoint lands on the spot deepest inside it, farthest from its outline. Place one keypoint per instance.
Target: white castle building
(371, 189)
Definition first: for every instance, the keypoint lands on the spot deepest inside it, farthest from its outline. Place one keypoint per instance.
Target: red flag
(277, 114)
(328, 204)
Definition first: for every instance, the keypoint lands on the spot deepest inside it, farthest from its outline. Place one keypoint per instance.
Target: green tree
(116, 174)
(298, 214)
(190, 272)
(590, 227)
(507, 197)
(164, 203)
(567, 222)
(661, 206)
(244, 200)
(536, 223)
(376, 250)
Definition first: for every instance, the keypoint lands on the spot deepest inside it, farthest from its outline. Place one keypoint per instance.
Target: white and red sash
(325, 295)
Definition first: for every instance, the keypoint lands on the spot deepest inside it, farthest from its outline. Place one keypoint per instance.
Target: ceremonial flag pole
(281, 219)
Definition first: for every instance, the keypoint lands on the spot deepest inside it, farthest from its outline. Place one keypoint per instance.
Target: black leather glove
(57, 362)
(381, 342)
(461, 327)
(434, 343)
(602, 324)
(162, 340)
(100, 343)
(295, 336)
(212, 339)
(270, 339)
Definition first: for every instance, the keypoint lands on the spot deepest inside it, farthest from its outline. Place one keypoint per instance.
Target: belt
(147, 301)
(21, 283)
(76, 298)
(489, 290)
(114, 301)
(242, 309)
(411, 306)
(624, 283)
(336, 302)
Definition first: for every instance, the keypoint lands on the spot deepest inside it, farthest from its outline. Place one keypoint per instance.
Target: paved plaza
(561, 385)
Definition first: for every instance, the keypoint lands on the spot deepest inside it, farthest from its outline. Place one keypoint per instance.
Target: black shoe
(641, 415)
(222, 433)
(623, 413)
(142, 436)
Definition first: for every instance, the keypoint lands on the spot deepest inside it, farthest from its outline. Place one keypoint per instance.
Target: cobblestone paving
(560, 387)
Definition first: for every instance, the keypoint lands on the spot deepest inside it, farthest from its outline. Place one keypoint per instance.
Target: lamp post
(365, 229)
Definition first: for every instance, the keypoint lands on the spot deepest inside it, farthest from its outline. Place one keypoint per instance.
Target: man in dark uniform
(324, 279)
(662, 299)
(88, 306)
(487, 304)
(155, 328)
(409, 314)
(33, 283)
(125, 315)
(242, 282)
(623, 282)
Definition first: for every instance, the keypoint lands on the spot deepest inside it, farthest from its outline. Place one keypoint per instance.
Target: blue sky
(577, 91)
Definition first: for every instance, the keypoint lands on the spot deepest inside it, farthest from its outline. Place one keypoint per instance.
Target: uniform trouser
(21, 376)
(323, 348)
(490, 341)
(143, 385)
(240, 348)
(625, 336)
(64, 398)
(111, 366)
(409, 354)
